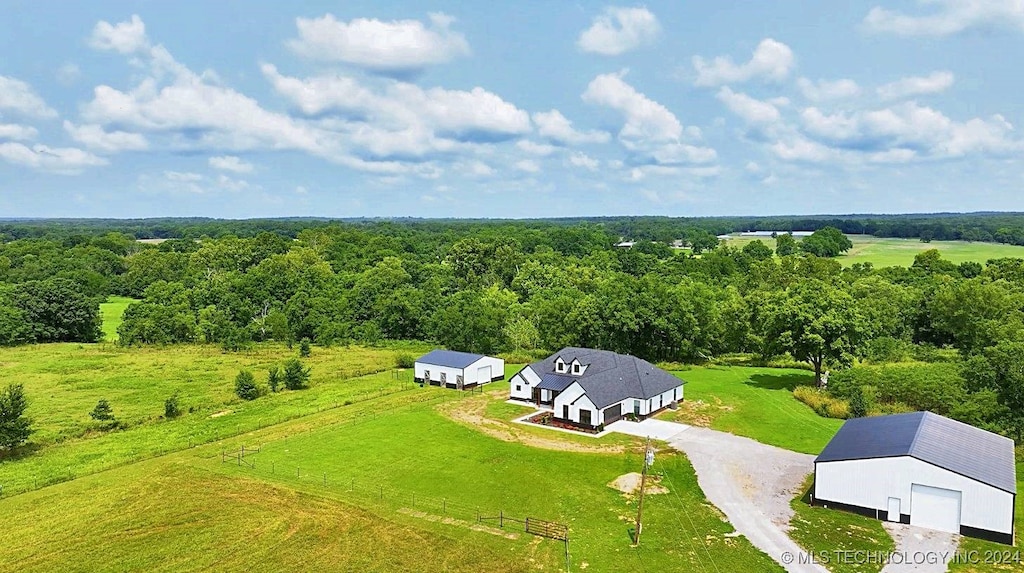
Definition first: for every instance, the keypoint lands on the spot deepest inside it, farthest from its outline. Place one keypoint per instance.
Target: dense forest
(936, 335)
(983, 227)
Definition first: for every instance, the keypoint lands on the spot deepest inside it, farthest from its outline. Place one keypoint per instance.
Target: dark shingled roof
(608, 378)
(449, 358)
(948, 444)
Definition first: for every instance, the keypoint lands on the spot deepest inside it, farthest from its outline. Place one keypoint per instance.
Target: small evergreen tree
(274, 378)
(304, 349)
(172, 409)
(15, 427)
(245, 386)
(296, 377)
(104, 414)
(858, 404)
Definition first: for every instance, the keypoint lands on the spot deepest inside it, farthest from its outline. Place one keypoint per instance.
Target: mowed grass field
(112, 310)
(886, 252)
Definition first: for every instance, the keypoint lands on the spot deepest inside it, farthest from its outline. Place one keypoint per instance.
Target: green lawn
(754, 402)
(112, 311)
(344, 488)
(64, 381)
(886, 252)
(825, 532)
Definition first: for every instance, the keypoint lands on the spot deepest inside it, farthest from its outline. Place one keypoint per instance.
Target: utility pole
(648, 460)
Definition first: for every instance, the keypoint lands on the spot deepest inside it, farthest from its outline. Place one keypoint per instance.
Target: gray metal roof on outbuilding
(449, 358)
(940, 441)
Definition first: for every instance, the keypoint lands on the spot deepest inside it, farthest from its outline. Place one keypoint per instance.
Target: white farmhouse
(590, 388)
(459, 370)
(923, 469)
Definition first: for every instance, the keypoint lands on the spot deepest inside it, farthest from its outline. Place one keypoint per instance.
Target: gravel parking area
(752, 484)
(920, 550)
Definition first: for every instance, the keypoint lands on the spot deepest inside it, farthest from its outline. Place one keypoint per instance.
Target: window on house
(559, 365)
(518, 387)
(575, 368)
(585, 417)
(565, 412)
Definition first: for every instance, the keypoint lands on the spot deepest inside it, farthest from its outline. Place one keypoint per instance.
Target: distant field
(112, 311)
(883, 252)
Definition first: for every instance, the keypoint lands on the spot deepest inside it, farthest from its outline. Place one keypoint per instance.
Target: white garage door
(483, 375)
(935, 508)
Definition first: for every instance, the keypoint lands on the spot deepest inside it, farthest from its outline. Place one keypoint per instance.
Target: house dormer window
(560, 365)
(576, 368)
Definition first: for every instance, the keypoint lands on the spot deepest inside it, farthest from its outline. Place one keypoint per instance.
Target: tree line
(515, 287)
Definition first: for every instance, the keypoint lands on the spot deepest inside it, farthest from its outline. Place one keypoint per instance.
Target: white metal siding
(935, 508)
(870, 483)
(435, 372)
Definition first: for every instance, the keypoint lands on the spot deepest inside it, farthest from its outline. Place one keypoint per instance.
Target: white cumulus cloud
(936, 82)
(556, 127)
(63, 160)
(230, 163)
(825, 90)
(16, 132)
(772, 60)
(750, 109)
(645, 118)
(95, 137)
(948, 17)
(619, 30)
(19, 97)
(124, 37)
(377, 45)
(580, 159)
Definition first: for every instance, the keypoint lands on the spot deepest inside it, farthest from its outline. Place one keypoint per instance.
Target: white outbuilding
(923, 469)
(589, 388)
(459, 370)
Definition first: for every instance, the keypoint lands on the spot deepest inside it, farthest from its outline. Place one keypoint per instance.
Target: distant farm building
(768, 234)
(923, 469)
(590, 388)
(459, 370)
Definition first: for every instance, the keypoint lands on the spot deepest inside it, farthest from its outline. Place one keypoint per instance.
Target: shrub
(404, 360)
(886, 349)
(304, 349)
(936, 387)
(822, 403)
(104, 414)
(274, 378)
(171, 407)
(245, 386)
(15, 427)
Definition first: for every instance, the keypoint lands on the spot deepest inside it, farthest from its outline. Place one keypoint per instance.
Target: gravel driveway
(752, 484)
(916, 546)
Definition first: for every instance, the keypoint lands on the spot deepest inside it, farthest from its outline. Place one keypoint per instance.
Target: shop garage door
(612, 413)
(935, 508)
(483, 375)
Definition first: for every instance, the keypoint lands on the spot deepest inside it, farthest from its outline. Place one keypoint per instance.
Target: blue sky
(528, 109)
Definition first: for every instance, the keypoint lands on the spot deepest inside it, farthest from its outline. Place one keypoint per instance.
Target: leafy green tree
(274, 379)
(826, 242)
(521, 334)
(15, 427)
(785, 244)
(757, 250)
(975, 314)
(1001, 368)
(701, 240)
(172, 407)
(245, 386)
(296, 376)
(815, 322)
(56, 310)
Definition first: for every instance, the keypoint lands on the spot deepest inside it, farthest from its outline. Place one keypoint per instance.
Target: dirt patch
(458, 523)
(472, 412)
(221, 413)
(629, 484)
(699, 412)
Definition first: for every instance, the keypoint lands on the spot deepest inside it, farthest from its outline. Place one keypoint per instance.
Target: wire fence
(448, 510)
(219, 431)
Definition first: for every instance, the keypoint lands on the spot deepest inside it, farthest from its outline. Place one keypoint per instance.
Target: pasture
(112, 311)
(888, 252)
